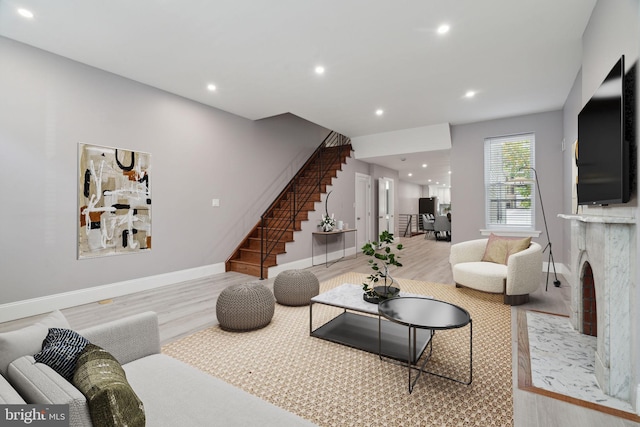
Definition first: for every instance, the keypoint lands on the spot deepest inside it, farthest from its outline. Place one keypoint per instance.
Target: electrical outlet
(215, 203)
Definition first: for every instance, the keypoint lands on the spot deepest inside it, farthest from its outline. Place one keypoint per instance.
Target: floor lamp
(556, 282)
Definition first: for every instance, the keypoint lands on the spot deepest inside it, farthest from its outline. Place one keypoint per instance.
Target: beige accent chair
(515, 280)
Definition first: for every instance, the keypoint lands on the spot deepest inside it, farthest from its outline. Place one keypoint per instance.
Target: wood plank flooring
(190, 306)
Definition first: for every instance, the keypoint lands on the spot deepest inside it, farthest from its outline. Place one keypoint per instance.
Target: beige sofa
(516, 279)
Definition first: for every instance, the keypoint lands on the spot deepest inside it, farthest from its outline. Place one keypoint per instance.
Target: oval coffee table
(425, 313)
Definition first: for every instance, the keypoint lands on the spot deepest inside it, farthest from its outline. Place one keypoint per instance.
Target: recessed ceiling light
(449, 172)
(424, 165)
(379, 112)
(319, 69)
(470, 94)
(410, 174)
(211, 87)
(25, 13)
(429, 180)
(443, 29)
(437, 182)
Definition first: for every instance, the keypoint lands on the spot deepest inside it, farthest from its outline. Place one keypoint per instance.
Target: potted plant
(379, 285)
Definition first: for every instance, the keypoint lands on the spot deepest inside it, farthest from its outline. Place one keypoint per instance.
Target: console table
(326, 235)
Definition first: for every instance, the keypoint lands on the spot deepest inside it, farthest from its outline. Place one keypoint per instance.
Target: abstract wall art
(114, 199)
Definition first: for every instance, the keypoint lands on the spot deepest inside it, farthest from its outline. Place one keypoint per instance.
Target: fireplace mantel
(599, 219)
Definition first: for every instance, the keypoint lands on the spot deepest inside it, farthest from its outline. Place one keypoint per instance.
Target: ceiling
(519, 57)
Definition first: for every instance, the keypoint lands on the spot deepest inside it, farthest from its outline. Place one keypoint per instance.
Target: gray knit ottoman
(295, 287)
(245, 307)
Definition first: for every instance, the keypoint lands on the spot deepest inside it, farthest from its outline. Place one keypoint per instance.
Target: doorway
(385, 205)
(363, 209)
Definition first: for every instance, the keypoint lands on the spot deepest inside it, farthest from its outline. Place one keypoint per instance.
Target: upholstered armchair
(513, 274)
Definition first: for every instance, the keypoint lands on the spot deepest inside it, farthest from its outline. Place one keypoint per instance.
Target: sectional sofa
(173, 393)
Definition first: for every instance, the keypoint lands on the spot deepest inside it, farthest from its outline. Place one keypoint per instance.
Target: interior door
(363, 209)
(385, 205)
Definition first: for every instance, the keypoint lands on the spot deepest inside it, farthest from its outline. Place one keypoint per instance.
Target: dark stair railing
(283, 215)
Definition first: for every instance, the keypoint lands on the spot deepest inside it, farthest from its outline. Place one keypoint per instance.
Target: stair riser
(286, 236)
(283, 222)
(286, 213)
(254, 257)
(308, 187)
(309, 205)
(252, 270)
(255, 244)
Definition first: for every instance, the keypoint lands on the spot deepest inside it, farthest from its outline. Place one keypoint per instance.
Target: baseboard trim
(308, 262)
(45, 304)
(560, 268)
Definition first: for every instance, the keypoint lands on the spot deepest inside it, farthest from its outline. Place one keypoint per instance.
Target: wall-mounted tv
(606, 131)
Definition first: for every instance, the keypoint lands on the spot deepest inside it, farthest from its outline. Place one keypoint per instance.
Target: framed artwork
(114, 199)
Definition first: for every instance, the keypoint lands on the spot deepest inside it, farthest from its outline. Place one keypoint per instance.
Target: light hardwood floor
(190, 306)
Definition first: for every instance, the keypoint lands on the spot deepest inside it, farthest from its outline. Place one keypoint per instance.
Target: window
(509, 182)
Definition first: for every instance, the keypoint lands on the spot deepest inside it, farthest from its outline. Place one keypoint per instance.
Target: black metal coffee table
(358, 325)
(425, 313)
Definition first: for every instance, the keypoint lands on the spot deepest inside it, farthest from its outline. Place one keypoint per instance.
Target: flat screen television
(605, 135)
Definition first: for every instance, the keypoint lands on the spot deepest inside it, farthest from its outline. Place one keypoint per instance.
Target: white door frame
(386, 205)
(363, 204)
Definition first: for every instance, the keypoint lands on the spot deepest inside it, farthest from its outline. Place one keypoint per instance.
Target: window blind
(509, 183)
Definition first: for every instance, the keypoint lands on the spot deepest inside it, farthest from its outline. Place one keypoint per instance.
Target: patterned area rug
(334, 385)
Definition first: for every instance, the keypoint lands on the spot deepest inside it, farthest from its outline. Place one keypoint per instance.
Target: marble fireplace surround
(608, 244)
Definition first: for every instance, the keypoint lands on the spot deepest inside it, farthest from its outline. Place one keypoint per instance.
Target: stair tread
(258, 251)
(239, 261)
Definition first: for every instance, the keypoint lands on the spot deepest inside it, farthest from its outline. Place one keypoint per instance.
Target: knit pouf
(245, 307)
(295, 287)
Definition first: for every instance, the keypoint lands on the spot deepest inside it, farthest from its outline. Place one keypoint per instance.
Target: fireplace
(603, 251)
(589, 306)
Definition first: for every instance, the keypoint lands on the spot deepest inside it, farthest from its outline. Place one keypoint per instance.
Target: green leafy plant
(379, 283)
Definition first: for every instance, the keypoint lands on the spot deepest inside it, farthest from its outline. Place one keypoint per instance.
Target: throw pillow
(496, 250)
(500, 248)
(517, 245)
(60, 349)
(28, 340)
(104, 383)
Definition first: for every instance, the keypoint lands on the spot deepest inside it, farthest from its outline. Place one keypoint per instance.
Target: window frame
(497, 181)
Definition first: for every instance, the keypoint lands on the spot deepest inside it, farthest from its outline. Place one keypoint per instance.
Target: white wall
(49, 104)
(408, 196)
(467, 177)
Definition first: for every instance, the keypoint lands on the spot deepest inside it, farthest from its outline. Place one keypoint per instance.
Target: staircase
(260, 248)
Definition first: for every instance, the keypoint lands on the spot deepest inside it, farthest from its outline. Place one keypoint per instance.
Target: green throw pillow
(111, 400)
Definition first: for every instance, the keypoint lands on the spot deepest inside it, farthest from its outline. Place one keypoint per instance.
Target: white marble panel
(349, 296)
(608, 244)
(562, 360)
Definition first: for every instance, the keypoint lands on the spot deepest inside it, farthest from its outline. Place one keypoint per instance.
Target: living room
(52, 103)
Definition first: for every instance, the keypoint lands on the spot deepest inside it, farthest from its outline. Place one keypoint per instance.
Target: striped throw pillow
(60, 350)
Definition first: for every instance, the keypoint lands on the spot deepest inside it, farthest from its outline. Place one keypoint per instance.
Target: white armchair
(516, 280)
